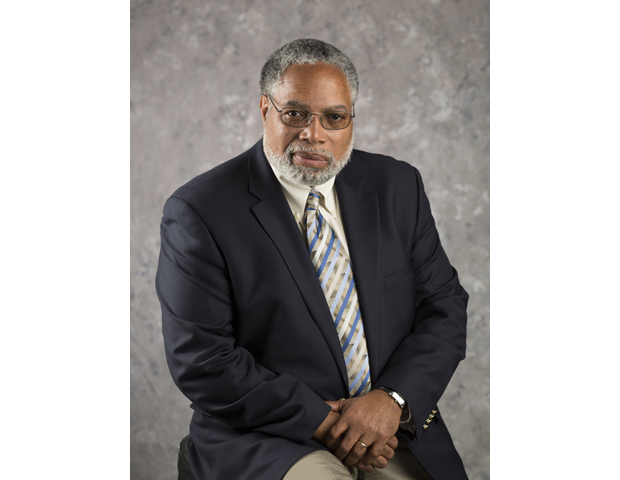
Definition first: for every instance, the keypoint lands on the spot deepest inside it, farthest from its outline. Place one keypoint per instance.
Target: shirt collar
(297, 194)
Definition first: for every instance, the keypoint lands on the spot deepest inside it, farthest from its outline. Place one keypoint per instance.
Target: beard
(311, 177)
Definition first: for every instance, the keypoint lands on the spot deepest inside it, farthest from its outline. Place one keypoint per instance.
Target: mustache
(305, 148)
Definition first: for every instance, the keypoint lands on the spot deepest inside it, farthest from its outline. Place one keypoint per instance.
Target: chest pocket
(399, 277)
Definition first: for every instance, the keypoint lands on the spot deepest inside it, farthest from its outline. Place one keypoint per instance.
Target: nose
(314, 133)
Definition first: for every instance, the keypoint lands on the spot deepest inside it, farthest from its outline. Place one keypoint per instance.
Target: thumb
(335, 404)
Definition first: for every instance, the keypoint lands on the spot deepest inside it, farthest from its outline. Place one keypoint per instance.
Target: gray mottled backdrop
(424, 98)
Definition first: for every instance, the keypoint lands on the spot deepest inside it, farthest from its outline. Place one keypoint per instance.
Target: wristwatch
(395, 396)
(405, 416)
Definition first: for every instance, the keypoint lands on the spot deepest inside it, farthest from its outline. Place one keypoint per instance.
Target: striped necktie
(336, 276)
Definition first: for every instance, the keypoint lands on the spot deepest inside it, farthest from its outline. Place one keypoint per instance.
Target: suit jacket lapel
(274, 215)
(360, 217)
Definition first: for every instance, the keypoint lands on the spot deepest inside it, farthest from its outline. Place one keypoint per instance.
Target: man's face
(309, 155)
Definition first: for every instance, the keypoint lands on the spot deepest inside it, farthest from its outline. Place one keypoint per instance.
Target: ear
(264, 107)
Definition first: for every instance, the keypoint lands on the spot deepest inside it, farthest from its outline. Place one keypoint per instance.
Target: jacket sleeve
(219, 377)
(424, 362)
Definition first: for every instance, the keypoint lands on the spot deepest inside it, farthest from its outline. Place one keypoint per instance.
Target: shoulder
(215, 195)
(224, 192)
(381, 172)
(218, 182)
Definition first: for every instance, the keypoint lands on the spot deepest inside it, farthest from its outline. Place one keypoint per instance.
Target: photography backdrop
(423, 98)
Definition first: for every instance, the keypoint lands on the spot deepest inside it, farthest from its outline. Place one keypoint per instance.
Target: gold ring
(363, 444)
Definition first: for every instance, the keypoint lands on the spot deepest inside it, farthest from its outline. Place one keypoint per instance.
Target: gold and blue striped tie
(336, 276)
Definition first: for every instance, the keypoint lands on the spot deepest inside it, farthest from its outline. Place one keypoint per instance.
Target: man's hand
(382, 460)
(372, 419)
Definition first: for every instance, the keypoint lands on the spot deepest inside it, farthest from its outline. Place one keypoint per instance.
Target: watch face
(395, 396)
(400, 401)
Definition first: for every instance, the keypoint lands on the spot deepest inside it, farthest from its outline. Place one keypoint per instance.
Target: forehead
(317, 85)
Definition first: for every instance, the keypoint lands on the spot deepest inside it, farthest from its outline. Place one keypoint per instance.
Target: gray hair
(303, 51)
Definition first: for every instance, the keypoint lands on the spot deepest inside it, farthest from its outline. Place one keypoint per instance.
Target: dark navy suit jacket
(248, 335)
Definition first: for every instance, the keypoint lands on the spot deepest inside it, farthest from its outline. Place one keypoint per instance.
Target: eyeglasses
(300, 117)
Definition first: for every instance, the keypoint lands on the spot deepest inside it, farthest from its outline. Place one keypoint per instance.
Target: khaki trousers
(323, 465)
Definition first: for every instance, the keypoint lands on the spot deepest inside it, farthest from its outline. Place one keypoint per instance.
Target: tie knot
(313, 200)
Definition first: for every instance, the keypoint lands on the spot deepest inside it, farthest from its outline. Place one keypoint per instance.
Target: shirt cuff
(406, 419)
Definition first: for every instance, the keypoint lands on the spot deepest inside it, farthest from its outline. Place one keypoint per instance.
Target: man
(309, 311)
